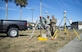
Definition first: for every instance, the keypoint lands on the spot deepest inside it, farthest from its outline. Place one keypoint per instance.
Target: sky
(73, 10)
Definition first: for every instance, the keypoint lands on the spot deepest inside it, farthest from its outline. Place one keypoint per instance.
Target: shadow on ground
(23, 35)
(2, 36)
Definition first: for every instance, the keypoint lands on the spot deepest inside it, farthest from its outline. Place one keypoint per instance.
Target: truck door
(1, 25)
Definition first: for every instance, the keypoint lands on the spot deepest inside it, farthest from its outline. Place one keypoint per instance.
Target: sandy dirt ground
(23, 44)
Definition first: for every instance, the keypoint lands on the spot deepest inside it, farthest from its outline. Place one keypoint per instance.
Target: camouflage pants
(52, 28)
(48, 32)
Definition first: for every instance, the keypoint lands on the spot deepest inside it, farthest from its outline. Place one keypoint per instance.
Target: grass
(23, 44)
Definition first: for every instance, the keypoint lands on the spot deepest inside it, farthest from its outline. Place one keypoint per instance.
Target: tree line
(21, 3)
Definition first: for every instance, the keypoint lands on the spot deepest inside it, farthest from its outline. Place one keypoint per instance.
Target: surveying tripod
(65, 29)
(37, 22)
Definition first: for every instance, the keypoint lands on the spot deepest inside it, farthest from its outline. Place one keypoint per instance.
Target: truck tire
(12, 32)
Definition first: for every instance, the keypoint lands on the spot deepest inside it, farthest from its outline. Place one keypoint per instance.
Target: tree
(6, 1)
(21, 3)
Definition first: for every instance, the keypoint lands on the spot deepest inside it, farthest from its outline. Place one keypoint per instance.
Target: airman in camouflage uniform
(53, 25)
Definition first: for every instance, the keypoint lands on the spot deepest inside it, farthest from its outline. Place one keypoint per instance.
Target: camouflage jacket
(54, 21)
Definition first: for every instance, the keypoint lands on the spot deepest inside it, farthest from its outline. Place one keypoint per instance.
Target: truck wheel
(12, 32)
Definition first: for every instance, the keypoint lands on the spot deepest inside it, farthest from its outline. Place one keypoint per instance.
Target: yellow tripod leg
(67, 33)
(77, 34)
(55, 35)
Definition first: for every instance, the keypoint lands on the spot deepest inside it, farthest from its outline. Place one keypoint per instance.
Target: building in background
(77, 25)
(70, 21)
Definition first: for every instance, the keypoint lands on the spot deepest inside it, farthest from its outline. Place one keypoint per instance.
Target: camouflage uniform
(47, 25)
(53, 25)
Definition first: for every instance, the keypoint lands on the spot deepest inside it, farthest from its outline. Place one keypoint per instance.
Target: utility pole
(32, 9)
(40, 8)
(7, 10)
(40, 14)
